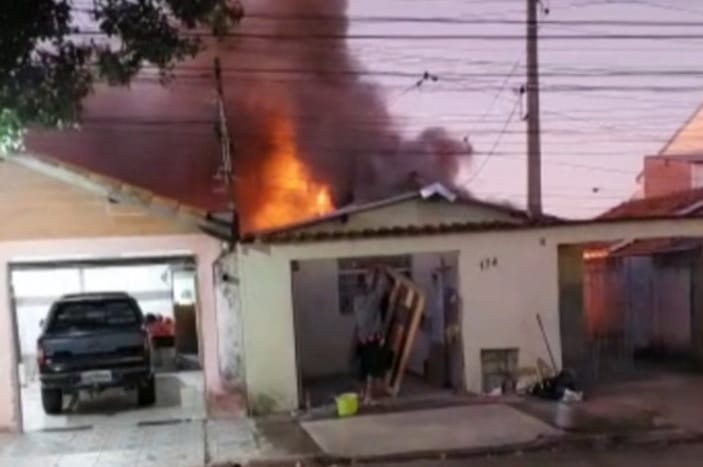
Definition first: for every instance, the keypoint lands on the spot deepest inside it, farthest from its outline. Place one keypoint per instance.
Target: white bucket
(564, 417)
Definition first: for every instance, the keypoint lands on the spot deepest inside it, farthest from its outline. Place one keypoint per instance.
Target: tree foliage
(52, 52)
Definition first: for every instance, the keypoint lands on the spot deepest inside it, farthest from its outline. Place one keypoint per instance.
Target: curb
(569, 441)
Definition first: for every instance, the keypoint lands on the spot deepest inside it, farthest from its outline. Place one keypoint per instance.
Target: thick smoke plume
(312, 119)
(343, 130)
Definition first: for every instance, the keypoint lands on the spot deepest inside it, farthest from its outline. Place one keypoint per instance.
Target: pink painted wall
(204, 249)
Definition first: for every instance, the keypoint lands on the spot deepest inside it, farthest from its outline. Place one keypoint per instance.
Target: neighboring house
(645, 297)
(61, 218)
(679, 164)
(669, 174)
(680, 203)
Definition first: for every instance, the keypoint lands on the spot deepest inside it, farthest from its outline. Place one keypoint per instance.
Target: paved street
(675, 456)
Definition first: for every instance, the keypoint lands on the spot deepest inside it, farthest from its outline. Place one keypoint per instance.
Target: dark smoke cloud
(340, 122)
(344, 130)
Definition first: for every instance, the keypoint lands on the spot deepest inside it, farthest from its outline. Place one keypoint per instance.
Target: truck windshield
(92, 315)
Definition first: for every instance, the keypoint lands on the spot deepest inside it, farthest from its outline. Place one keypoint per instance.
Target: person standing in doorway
(368, 335)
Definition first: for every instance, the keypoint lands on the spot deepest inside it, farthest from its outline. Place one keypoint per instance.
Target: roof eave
(116, 191)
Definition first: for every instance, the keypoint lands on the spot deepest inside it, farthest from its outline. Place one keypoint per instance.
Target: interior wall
(323, 334)
(423, 266)
(204, 249)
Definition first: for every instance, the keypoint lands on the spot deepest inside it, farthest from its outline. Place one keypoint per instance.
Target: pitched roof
(679, 204)
(155, 137)
(437, 191)
(688, 139)
(120, 192)
(433, 191)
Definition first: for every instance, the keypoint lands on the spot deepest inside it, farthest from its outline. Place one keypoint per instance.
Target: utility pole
(226, 151)
(534, 144)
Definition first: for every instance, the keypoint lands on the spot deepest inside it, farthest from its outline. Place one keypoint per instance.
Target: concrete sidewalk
(442, 430)
(183, 444)
(640, 413)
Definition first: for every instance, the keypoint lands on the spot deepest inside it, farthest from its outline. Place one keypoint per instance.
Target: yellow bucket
(347, 404)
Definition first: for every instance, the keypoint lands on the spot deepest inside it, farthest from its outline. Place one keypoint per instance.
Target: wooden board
(406, 306)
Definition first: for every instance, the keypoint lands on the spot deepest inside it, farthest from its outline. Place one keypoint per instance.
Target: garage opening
(632, 309)
(91, 341)
(421, 359)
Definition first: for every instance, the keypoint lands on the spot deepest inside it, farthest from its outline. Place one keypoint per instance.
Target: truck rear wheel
(52, 401)
(146, 393)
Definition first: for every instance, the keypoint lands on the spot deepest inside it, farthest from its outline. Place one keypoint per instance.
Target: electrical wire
(499, 138)
(421, 37)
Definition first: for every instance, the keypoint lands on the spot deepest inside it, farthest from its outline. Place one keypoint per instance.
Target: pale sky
(593, 138)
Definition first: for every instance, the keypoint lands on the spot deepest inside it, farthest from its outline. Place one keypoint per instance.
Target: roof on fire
(310, 230)
(688, 204)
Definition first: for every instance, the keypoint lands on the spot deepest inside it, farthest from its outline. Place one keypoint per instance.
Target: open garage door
(165, 291)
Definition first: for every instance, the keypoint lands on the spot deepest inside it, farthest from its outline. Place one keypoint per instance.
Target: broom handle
(546, 342)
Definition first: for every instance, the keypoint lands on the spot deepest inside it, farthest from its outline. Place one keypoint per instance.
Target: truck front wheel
(52, 401)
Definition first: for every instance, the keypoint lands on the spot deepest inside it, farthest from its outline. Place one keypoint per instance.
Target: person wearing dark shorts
(369, 333)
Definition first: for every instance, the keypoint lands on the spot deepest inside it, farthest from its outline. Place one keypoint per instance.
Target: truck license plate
(96, 377)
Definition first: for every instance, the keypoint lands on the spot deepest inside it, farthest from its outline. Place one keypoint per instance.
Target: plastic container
(347, 404)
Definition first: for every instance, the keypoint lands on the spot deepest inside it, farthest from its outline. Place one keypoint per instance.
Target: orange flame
(290, 194)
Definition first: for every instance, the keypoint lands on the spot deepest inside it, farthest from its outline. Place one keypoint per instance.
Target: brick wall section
(34, 206)
(663, 176)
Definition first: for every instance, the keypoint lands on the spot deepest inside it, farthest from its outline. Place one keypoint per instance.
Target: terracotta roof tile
(669, 205)
(657, 245)
(393, 231)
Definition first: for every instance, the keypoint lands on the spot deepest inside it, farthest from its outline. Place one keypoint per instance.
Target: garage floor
(179, 398)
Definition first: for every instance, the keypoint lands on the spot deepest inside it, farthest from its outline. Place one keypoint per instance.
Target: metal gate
(634, 304)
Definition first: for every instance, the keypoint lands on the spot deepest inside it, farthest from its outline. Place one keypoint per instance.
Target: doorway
(323, 296)
(165, 291)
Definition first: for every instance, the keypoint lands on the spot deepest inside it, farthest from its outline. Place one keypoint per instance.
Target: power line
(421, 37)
(453, 20)
(441, 75)
(499, 138)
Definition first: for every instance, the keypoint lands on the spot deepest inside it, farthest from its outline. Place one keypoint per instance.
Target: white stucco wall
(229, 324)
(499, 304)
(500, 301)
(203, 248)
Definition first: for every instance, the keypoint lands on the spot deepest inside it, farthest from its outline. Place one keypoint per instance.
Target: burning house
(310, 131)
(317, 156)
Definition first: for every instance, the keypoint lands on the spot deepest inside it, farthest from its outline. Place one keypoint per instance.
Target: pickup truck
(92, 342)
